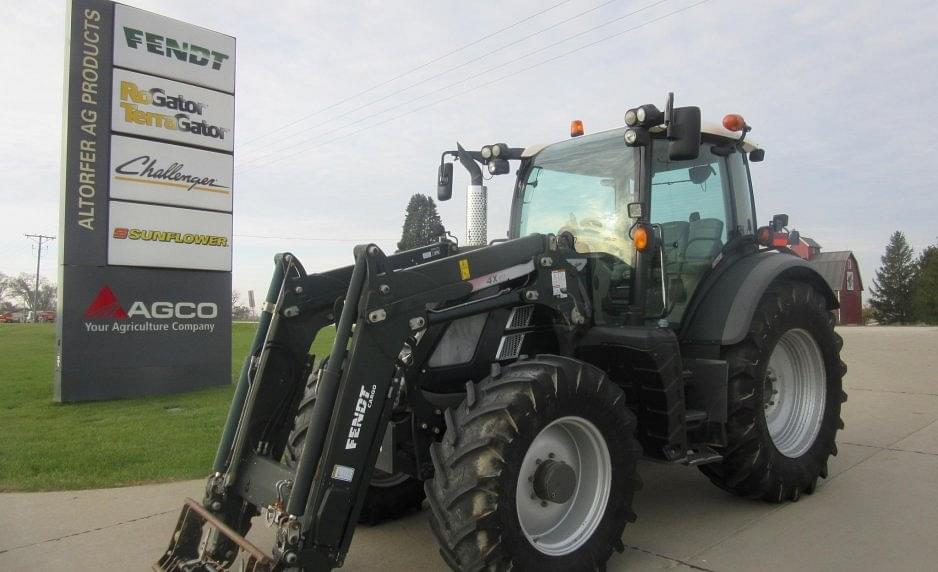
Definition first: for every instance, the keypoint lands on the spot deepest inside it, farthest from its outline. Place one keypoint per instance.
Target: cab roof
(706, 128)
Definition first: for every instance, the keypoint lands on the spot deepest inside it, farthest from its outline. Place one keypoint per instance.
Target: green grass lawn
(48, 446)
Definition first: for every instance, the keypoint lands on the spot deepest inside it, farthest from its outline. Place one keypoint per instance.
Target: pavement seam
(666, 557)
(783, 506)
(6, 550)
(892, 391)
(831, 479)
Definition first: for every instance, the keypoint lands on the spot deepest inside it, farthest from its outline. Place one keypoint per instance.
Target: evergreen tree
(422, 223)
(893, 285)
(925, 295)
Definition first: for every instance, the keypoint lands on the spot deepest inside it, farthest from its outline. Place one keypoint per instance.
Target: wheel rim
(559, 528)
(793, 396)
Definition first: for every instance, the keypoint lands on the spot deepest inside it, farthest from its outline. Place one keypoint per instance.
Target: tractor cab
(652, 206)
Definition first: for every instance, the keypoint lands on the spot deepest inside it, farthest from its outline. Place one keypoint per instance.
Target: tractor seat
(674, 240)
(703, 239)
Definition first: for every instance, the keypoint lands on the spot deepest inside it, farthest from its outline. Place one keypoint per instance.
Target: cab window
(691, 208)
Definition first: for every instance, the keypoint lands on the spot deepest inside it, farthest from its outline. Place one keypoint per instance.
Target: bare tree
(22, 288)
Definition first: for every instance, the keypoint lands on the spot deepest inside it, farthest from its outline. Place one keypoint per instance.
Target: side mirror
(779, 222)
(684, 134)
(444, 182)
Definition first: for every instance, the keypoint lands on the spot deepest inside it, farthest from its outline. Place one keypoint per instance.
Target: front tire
(536, 470)
(785, 395)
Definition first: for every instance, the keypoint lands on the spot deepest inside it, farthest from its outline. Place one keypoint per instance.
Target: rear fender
(723, 307)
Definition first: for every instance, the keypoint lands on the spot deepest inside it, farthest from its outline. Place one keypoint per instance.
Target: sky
(343, 109)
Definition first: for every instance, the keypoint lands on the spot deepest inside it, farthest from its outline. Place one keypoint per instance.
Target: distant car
(14, 316)
(47, 316)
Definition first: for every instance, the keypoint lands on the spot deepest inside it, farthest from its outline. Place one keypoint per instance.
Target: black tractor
(635, 309)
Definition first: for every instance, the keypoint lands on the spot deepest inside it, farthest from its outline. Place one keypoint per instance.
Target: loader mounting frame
(379, 306)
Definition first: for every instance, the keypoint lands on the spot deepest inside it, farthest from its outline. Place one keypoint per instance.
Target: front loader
(634, 310)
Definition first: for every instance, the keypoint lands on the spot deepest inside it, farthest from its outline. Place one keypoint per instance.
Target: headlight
(486, 152)
(631, 118)
(631, 136)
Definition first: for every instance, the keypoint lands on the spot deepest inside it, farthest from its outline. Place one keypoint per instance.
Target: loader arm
(379, 307)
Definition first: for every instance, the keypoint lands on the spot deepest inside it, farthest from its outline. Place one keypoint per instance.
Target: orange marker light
(764, 236)
(734, 122)
(640, 238)
(576, 128)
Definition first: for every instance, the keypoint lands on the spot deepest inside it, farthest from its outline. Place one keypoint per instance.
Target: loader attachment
(379, 308)
(186, 551)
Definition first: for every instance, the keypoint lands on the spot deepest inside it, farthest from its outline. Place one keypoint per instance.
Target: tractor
(635, 310)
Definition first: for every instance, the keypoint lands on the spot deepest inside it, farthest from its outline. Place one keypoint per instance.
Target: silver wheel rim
(557, 529)
(793, 397)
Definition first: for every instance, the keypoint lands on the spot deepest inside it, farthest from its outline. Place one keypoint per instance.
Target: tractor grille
(510, 346)
(520, 317)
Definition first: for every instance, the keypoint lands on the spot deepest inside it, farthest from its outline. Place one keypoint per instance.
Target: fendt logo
(172, 48)
(160, 316)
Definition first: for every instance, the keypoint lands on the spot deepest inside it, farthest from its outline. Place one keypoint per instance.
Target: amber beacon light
(576, 128)
(734, 122)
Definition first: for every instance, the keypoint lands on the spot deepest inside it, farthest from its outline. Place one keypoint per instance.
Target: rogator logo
(132, 97)
(146, 170)
(173, 48)
(159, 316)
(123, 233)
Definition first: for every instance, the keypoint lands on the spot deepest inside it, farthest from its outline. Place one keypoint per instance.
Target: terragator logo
(170, 48)
(132, 97)
(106, 306)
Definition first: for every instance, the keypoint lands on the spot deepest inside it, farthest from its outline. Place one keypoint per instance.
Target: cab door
(696, 208)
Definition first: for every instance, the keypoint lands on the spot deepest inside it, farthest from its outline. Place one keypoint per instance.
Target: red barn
(842, 273)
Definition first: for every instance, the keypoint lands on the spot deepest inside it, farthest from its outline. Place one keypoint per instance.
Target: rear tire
(494, 470)
(389, 497)
(785, 395)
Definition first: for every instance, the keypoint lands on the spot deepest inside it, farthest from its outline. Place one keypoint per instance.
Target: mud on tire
(473, 493)
(753, 466)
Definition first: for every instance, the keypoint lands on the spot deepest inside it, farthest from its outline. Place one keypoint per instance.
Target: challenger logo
(365, 399)
(132, 97)
(159, 316)
(123, 233)
(172, 48)
(147, 170)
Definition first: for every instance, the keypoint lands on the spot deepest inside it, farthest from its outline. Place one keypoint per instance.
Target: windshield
(583, 186)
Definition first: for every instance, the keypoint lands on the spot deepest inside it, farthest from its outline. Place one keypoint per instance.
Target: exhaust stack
(476, 215)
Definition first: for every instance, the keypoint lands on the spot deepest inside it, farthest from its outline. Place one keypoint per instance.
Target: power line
(40, 238)
(409, 72)
(475, 87)
(313, 238)
(448, 70)
(451, 85)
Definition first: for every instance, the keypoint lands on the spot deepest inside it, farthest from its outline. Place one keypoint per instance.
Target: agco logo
(155, 316)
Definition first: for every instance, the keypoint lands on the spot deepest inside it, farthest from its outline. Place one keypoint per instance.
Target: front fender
(723, 306)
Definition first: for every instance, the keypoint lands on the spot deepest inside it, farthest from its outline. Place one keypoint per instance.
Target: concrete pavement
(878, 510)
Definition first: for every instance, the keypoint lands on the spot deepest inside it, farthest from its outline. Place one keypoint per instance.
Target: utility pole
(41, 238)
